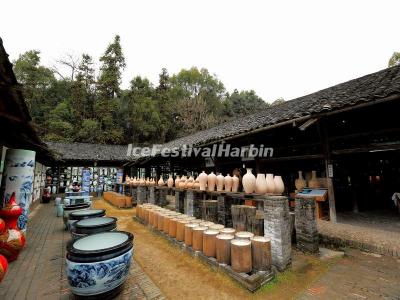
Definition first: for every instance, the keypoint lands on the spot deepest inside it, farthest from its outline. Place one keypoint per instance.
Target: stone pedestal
(277, 228)
(179, 200)
(134, 193)
(224, 211)
(307, 238)
(152, 195)
(161, 197)
(189, 201)
(141, 194)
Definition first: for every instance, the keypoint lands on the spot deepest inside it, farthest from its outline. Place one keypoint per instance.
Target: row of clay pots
(242, 250)
(212, 182)
(263, 184)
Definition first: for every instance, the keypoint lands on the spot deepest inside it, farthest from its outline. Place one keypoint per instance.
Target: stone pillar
(134, 193)
(179, 200)
(307, 238)
(161, 196)
(277, 228)
(152, 195)
(198, 203)
(141, 194)
(224, 211)
(189, 201)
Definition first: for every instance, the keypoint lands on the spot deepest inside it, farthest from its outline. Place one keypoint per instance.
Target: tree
(394, 60)
(113, 62)
(242, 103)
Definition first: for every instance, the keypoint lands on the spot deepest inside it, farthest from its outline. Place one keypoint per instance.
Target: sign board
(330, 170)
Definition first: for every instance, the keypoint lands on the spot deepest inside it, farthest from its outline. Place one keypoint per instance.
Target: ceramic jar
(300, 183)
(190, 183)
(161, 181)
(76, 216)
(93, 225)
(177, 180)
(12, 241)
(279, 186)
(220, 182)
(249, 182)
(18, 178)
(313, 182)
(3, 267)
(211, 181)
(170, 181)
(11, 212)
(261, 184)
(98, 264)
(235, 184)
(228, 181)
(71, 208)
(270, 183)
(203, 181)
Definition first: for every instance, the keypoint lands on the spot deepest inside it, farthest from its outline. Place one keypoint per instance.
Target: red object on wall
(2, 226)
(11, 212)
(3, 267)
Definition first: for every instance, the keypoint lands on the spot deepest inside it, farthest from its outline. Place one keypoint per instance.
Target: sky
(277, 48)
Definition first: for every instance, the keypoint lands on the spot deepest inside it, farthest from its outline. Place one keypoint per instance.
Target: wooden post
(261, 253)
(241, 256)
(223, 248)
(327, 157)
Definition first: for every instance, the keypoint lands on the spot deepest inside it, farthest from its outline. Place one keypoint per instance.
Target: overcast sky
(278, 48)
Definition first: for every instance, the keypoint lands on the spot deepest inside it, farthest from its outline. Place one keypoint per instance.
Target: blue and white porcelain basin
(75, 216)
(98, 264)
(93, 225)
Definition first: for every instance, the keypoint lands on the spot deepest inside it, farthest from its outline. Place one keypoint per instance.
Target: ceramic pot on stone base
(300, 183)
(261, 184)
(203, 181)
(235, 184)
(270, 183)
(279, 186)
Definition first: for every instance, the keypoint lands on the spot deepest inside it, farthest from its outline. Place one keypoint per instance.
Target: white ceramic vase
(261, 184)
(177, 180)
(300, 183)
(270, 183)
(220, 182)
(211, 180)
(170, 181)
(249, 182)
(203, 181)
(235, 184)
(161, 181)
(228, 181)
(279, 186)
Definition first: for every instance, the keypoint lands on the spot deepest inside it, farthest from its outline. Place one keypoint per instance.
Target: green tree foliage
(394, 60)
(83, 107)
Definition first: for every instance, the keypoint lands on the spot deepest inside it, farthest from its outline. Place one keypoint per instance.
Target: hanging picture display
(85, 188)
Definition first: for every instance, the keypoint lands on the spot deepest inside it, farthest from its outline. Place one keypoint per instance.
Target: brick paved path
(39, 271)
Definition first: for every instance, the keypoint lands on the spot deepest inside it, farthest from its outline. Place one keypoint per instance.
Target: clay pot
(11, 212)
(3, 267)
(170, 181)
(300, 183)
(249, 182)
(228, 181)
(161, 181)
(11, 244)
(211, 180)
(235, 184)
(279, 186)
(190, 183)
(313, 182)
(261, 184)
(270, 183)
(177, 180)
(203, 181)
(220, 182)
(182, 182)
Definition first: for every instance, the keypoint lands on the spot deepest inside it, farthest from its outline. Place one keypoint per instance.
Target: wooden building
(348, 133)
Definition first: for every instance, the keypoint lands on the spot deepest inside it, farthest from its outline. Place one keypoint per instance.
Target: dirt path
(180, 276)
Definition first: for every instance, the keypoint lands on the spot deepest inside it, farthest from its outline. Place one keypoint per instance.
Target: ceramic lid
(211, 232)
(244, 234)
(76, 206)
(262, 239)
(94, 222)
(241, 242)
(87, 212)
(225, 236)
(228, 230)
(102, 241)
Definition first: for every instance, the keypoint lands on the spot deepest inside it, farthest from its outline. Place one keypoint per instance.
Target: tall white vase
(170, 181)
(211, 180)
(220, 182)
(249, 182)
(261, 184)
(270, 183)
(177, 180)
(203, 181)
(235, 184)
(228, 181)
(18, 179)
(279, 186)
